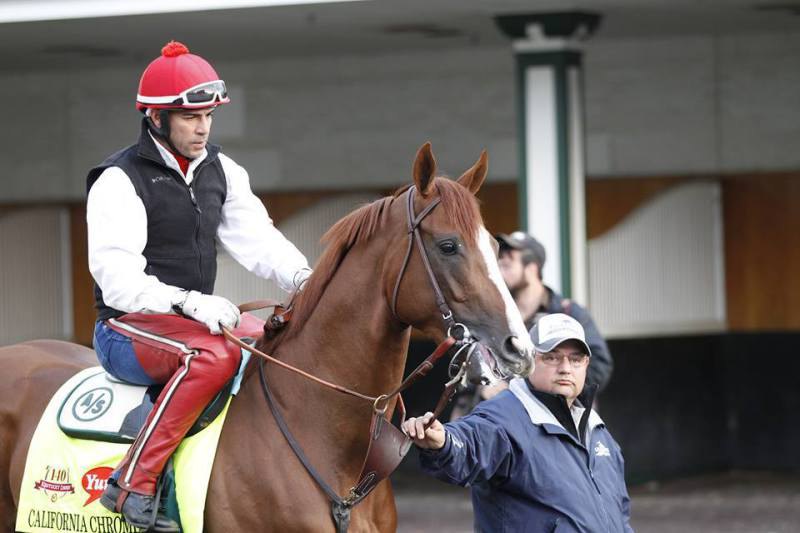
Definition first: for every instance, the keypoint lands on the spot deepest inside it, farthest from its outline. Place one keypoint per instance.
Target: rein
(387, 444)
(241, 344)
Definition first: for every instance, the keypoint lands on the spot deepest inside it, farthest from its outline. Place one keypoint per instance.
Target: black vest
(182, 220)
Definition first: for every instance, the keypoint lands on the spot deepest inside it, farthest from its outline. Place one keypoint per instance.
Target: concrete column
(551, 178)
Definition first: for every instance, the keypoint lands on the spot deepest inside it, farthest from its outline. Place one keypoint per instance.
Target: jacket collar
(557, 405)
(538, 412)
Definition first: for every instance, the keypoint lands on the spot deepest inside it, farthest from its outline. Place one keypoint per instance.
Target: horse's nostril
(514, 346)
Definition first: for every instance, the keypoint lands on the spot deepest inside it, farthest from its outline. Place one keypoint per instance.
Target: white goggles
(198, 96)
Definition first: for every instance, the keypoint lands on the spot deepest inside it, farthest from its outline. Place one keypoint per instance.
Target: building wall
(702, 104)
(35, 282)
(660, 271)
(679, 256)
(762, 251)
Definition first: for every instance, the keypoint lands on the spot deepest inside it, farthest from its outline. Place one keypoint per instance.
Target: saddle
(105, 409)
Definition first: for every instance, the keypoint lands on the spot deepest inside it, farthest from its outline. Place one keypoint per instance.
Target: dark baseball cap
(554, 329)
(532, 250)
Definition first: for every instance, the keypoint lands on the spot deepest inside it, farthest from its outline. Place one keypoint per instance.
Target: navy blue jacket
(528, 473)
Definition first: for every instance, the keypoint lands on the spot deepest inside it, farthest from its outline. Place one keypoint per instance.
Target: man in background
(521, 260)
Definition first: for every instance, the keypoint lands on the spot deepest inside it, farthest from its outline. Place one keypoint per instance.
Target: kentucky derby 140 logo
(94, 482)
(55, 483)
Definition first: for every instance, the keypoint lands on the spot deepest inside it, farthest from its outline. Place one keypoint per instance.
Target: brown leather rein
(387, 444)
(383, 399)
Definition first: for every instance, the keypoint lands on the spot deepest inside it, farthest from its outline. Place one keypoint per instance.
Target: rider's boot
(137, 509)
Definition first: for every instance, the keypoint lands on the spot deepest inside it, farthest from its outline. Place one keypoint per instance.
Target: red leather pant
(194, 365)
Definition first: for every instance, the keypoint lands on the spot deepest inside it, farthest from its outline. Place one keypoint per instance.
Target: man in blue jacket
(534, 457)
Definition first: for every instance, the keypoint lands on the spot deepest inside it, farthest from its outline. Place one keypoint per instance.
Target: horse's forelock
(461, 208)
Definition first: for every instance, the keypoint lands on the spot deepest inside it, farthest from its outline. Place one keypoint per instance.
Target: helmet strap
(162, 132)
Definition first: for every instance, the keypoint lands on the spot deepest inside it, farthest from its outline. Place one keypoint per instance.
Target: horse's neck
(350, 340)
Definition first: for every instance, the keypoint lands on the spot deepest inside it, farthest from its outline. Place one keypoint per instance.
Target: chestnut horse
(350, 326)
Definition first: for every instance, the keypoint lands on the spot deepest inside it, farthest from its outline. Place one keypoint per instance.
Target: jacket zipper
(199, 212)
(600, 502)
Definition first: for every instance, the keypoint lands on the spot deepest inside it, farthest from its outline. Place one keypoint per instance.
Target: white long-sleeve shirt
(117, 227)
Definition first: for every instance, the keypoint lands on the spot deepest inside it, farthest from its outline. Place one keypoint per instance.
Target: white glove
(213, 311)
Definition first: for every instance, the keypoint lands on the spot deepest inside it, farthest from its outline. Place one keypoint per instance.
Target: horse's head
(445, 280)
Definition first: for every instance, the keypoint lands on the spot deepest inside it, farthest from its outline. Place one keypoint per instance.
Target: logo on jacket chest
(159, 179)
(601, 450)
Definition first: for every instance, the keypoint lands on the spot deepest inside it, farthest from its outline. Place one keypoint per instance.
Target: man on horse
(155, 211)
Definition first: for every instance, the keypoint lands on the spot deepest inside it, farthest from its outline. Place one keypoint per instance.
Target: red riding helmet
(180, 80)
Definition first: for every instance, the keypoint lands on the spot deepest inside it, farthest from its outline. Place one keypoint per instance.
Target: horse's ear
(473, 178)
(424, 169)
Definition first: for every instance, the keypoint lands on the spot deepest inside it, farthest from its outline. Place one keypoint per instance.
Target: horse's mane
(460, 207)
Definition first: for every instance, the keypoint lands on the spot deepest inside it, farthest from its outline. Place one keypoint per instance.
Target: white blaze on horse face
(515, 323)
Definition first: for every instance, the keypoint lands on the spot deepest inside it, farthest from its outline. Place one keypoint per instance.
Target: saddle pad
(65, 476)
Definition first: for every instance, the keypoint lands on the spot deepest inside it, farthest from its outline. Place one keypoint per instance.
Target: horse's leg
(376, 513)
(32, 372)
(384, 512)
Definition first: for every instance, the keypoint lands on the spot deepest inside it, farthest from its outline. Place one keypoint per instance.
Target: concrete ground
(735, 502)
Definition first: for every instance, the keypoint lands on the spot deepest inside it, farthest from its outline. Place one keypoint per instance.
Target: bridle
(457, 366)
(387, 444)
(413, 223)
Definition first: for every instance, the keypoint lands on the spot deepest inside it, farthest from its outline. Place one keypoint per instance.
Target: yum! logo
(94, 482)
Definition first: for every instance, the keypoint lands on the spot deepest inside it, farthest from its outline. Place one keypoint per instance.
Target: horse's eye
(448, 247)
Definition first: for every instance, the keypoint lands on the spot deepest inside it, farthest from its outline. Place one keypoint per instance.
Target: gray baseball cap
(554, 329)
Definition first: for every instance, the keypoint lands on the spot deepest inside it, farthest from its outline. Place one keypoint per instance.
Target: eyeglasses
(576, 360)
(205, 93)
